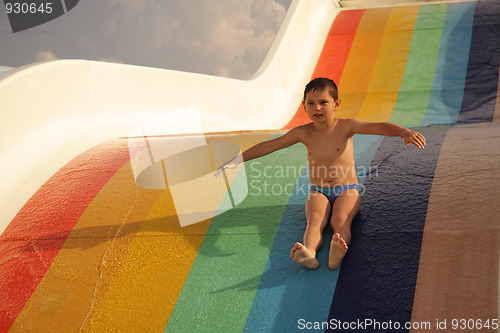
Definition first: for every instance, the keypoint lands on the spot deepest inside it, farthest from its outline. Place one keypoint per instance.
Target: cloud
(45, 56)
(218, 37)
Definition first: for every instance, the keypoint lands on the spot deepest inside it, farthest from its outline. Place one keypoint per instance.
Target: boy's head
(321, 84)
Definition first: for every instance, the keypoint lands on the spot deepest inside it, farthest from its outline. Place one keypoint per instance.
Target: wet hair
(320, 84)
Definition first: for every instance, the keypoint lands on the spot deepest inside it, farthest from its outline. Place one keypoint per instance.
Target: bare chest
(328, 148)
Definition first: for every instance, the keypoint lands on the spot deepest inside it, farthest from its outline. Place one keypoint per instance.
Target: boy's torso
(330, 155)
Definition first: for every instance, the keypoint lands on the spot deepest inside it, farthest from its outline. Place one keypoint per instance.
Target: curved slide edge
(57, 110)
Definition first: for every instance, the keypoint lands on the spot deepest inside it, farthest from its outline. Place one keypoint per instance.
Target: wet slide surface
(93, 251)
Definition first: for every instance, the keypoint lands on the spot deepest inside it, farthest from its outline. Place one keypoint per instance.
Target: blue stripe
(481, 85)
(289, 292)
(451, 67)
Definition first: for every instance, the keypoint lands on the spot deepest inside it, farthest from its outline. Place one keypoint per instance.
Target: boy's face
(320, 105)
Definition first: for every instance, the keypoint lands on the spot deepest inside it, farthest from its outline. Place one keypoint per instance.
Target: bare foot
(304, 256)
(338, 249)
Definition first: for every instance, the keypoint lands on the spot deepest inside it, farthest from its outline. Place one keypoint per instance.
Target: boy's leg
(317, 214)
(344, 210)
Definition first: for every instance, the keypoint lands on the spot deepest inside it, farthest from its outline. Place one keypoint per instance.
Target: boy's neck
(327, 126)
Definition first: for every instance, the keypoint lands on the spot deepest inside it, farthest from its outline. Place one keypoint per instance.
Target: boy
(334, 194)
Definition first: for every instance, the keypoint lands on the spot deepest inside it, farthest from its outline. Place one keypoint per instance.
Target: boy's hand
(229, 165)
(414, 138)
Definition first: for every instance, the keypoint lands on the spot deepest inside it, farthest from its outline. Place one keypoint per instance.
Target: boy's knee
(315, 218)
(339, 220)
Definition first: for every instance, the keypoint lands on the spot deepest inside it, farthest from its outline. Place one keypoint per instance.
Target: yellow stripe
(143, 292)
(390, 65)
(361, 61)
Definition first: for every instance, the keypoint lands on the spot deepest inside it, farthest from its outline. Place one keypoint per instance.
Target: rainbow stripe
(92, 251)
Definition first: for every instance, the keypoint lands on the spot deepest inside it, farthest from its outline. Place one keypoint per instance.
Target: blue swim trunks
(331, 193)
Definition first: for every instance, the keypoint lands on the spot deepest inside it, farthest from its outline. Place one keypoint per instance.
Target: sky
(227, 38)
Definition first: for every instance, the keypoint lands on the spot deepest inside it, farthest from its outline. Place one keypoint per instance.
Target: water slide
(112, 221)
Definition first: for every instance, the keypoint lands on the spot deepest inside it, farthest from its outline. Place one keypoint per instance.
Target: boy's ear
(337, 103)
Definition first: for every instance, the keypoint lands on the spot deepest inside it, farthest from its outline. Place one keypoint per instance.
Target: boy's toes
(338, 249)
(303, 256)
(340, 240)
(343, 243)
(294, 249)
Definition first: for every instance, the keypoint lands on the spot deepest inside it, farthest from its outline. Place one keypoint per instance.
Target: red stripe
(334, 54)
(34, 237)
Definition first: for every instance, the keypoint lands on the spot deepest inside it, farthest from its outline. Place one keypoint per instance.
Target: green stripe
(416, 85)
(219, 291)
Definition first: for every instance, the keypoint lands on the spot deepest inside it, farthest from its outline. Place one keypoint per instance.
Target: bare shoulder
(349, 124)
(293, 136)
(304, 128)
(301, 131)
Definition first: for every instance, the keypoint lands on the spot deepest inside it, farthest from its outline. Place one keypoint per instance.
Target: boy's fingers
(418, 143)
(419, 140)
(422, 140)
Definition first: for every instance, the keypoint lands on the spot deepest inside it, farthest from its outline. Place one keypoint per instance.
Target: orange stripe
(359, 67)
(333, 56)
(338, 45)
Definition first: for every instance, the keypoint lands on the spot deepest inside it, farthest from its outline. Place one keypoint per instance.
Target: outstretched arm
(262, 149)
(389, 129)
